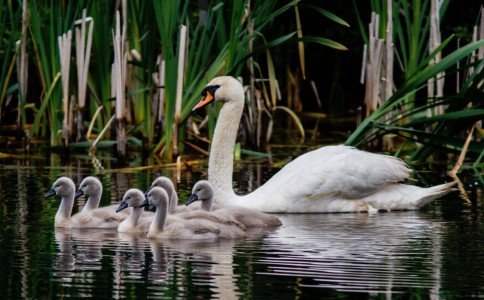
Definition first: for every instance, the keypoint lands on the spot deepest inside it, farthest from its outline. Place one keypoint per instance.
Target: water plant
(433, 119)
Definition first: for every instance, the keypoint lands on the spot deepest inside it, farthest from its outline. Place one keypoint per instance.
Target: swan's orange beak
(208, 98)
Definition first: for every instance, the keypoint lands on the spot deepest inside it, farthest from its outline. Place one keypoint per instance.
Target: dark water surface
(437, 252)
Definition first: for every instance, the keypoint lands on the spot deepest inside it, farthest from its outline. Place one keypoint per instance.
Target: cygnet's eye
(156, 184)
(129, 198)
(57, 185)
(84, 185)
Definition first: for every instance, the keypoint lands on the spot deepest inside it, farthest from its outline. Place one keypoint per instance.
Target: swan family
(170, 221)
(329, 179)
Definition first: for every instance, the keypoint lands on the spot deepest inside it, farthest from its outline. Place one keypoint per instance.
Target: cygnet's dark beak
(50, 193)
(193, 198)
(121, 206)
(145, 203)
(79, 193)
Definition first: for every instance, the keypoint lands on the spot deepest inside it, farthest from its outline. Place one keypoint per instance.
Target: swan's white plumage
(329, 179)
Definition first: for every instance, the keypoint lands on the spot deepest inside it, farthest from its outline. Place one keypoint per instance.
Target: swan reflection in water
(80, 252)
(358, 252)
(381, 253)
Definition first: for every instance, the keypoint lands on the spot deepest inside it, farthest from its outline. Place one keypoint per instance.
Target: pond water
(437, 252)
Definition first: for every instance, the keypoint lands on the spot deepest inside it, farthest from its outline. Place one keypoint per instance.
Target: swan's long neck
(158, 223)
(134, 216)
(92, 202)
(65, 208)
(173, 202)
(207, 204)
(221, 160)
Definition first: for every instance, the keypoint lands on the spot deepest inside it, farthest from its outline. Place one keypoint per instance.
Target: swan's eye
(84, 185)
(57, 185)
(156, 184)
(129, 198)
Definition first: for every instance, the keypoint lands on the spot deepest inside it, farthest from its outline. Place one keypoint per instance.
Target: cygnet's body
(179, 228)
(250, 218)
(166, 184)
(135, 222)
(92, 188)
(95, 218)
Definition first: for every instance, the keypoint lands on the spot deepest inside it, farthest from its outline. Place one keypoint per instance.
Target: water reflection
(379, 253)
(437, 252)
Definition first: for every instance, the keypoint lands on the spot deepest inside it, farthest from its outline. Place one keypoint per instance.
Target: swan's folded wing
(341, 171)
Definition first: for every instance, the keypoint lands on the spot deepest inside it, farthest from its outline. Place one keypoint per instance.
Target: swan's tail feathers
(435, 192)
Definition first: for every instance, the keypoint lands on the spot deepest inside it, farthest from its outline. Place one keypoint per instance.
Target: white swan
(179, 228)
(203, 191)
(92, 188)
(135, 222)
(329, 179)
(95, 218)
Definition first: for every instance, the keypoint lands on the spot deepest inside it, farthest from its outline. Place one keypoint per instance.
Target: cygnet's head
(89, 186)
(223, 89)
(202, 190)
(132, 198)
(163, 182)
(157, 197)
(63, 186)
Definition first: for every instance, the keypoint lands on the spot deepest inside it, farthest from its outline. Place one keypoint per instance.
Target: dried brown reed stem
(373, 66)
(65, 42)
(159, 80)
(389, 52)
(478, 34)
(300, 44)
(83, 51)
(92, 149)
(179, 87)
(119, 75)
(91, 125)
(435, 86)
(22, 63)
(462, 155)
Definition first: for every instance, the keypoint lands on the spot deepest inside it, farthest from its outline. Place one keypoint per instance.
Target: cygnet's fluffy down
(95, 218)
(135, 222)
(202, 191)
(180, 228)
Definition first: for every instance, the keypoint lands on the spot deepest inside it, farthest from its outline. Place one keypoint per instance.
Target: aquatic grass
(10, 34)
(462, 111)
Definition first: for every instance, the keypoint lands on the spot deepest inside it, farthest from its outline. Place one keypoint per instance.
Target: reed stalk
(65, 42)
(83, 55)
(179, 87)
(435, 86)
(22, 71)
(119, 73)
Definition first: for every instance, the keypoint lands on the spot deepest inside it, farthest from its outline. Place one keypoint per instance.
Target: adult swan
(329, 179)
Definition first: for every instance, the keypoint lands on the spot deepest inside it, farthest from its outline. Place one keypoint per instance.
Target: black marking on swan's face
(210, 89)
